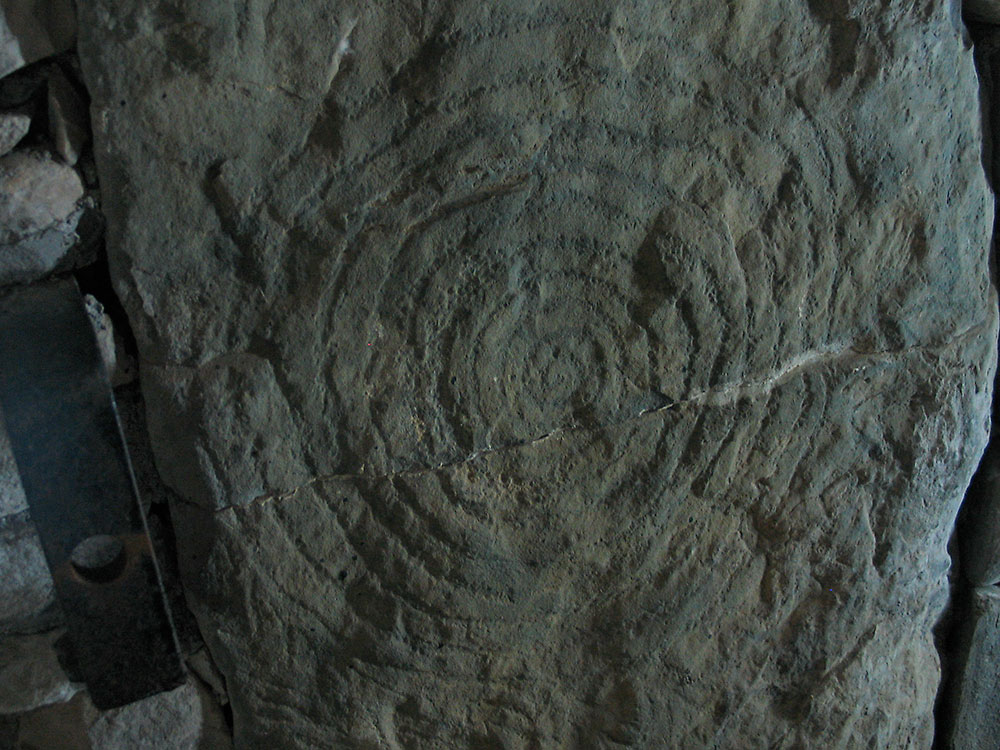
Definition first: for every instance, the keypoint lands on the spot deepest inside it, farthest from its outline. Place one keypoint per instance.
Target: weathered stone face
(975, 721)
(551, 374)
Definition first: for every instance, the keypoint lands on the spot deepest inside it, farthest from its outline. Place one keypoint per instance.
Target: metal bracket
(67, 442)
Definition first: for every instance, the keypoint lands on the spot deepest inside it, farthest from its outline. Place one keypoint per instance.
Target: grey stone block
(26, 594)
(30, 673)
(976, 695)
(13, 127)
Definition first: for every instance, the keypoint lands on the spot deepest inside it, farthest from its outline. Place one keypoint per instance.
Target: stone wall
(51, 224)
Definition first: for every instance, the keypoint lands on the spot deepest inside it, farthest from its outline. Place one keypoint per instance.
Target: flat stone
(33, 29)
(46, 223)
(34, 257)
(30, 673)
(166, 721)
(13, 127)
(26, 594)
(117, 362)
(103, 330)
(976, 696)
(68, 244)
(181, 719)
(12, 499)
(69, 123)
(553, 374)
(36, 193)
(201, 665)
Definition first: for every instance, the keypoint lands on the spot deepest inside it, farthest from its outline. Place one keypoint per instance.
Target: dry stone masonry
(969, 636)
(50, 223)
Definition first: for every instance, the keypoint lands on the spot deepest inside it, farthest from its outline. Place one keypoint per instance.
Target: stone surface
(979, 522)
(26, 594)
(545, 374)
(175, 720)
(13, 127)
(201, 665)
(36, 192)
(185, 718)
(66, 245)
(68, 119)
(104, 331)
(166, 721)
(35, 257)
(976, 693)
(30, 673)
(33, 29)
(117, 361)
(12, 498)
(46, 223)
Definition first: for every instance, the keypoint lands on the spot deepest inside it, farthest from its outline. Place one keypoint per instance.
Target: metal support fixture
(67, 442)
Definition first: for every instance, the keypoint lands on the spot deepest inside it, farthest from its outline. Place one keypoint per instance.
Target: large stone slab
(30, 673)
(180, 719)
(27, 598)
(976, 690)
(556, 374)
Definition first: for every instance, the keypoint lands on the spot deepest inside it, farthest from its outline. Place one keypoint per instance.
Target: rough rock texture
(13, 127)
(181, 719)
(167, 721)
(12, 500)
(30, 673)
(977, 689)
(556, 374)
(26, 594)
(979, 521)
(58, 247)
(46, 223)
(35, 193)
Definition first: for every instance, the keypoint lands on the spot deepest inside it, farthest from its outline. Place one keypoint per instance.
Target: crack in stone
(722, 395)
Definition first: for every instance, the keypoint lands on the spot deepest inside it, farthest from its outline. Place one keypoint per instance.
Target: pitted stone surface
(551, 373)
